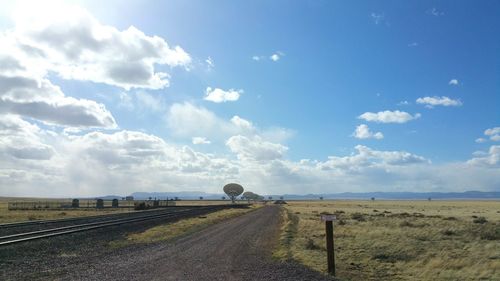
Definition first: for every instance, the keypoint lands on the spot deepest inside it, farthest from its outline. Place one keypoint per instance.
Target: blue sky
(378, 96)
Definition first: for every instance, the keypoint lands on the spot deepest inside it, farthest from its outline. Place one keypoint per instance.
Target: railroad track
(98, 217)
(64, 230)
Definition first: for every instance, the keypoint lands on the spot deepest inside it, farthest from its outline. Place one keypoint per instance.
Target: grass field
(397, 240)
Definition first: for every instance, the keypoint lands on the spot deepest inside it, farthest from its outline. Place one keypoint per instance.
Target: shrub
(450, 219)
(490, 234)
(358, 217)
(310, 245)
(449, 232)
(406, 224)
(480, 220)
(392, 257)
(141, 206)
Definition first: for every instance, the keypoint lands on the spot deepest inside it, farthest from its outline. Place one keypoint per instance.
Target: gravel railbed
(235, 249)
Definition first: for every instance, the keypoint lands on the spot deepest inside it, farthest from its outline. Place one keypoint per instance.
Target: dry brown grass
(398, 240)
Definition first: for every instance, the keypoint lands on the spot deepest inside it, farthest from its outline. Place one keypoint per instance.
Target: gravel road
(237, 249)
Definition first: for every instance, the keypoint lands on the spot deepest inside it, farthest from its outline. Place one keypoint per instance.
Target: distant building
(129, 198)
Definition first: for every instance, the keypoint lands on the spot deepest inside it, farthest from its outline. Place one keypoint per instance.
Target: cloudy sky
(112, 97)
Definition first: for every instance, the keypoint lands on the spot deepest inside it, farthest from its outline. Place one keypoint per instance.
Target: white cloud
(389, 116)
(22, 140)
(254, 148)
(273, 57)
(430, 102)
(187, 120)
(277, 56)
(435, 12)
(453, 82)
(200, 140)
(210, 63)
(218, 95)
(363, 132)
(122, 162)
(367, 157)
(377, 18)
(413, 44)
(403, 102)
(243, 124)
(480, 140)
(41, 100)
(493, 133)
(71, 42)
(491, 158)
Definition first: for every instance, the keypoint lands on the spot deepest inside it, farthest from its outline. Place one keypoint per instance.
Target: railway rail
(64, 230)
(97, 217)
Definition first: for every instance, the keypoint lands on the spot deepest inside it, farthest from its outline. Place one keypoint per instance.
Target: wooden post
(330, 247)
(328, 219)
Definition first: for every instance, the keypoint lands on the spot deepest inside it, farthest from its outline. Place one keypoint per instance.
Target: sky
(114, 97)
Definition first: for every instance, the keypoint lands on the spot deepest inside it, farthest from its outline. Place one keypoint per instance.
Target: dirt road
(237, 249)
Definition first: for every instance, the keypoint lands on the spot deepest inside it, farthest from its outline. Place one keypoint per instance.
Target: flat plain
(8, 216)
(397, 240)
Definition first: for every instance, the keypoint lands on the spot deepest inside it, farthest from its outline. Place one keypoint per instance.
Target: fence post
(330, 249)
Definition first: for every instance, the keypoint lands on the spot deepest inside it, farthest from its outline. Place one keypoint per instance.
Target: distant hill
(186, 195)
(398, 195)
(181, 194)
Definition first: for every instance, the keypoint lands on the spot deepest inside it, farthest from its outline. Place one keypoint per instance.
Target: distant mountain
(186, 195)
(181, 194)
(397, 195)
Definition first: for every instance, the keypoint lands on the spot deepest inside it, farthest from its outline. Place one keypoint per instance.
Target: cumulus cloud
(363, 132)
(493, 133)
(218, 95)
(366, 157)
(188, 120)
(41, 100)
(480, 140)
(491, 158)
(453, 82)
(430, 102)
(71, 42)
(200, 140)
(22, 140)
(255, 148)
(122, 162)
(388, 116)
